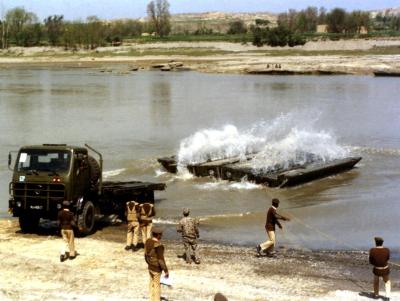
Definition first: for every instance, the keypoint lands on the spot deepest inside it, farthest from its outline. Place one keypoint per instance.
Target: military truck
(46, 175)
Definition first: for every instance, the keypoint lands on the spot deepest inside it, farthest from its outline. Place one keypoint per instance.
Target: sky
(115, 9)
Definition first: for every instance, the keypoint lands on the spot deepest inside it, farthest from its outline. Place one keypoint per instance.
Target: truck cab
(46, 175)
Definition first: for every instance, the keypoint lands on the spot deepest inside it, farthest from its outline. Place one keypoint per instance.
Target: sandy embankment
(30, 270)
(238, 59)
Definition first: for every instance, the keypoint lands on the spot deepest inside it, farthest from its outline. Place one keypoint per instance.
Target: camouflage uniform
(132, 217)
(147, 212)
(190, 232)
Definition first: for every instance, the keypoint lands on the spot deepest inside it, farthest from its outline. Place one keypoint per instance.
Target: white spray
(288, 140)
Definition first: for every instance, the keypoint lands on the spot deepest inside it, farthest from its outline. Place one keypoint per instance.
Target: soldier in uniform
(132, 217)
(272, 219)
(154, 256)
(379, 257)
(66, 222)
(188, 227)
(147, 212)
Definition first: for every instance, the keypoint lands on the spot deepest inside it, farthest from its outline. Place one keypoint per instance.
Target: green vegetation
(20, 27)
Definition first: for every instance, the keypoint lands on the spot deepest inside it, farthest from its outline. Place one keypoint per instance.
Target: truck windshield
(43, 160)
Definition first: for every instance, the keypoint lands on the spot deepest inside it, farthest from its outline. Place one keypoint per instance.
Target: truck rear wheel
(28, 223)
(86, 219)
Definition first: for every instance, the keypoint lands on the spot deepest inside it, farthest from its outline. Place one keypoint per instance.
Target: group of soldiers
(140, 219)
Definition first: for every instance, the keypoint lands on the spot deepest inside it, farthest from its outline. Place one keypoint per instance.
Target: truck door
(81, 182)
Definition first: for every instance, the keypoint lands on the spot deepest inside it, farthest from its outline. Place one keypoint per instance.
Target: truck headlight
(19, 204)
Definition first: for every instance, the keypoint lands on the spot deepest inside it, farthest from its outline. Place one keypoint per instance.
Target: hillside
(215, 21)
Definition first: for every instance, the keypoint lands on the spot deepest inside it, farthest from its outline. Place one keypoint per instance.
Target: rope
(330, 237)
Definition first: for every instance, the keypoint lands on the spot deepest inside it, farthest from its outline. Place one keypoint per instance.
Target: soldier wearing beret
(154, 256)
(189, 229)
(379, 257)
(66, 222)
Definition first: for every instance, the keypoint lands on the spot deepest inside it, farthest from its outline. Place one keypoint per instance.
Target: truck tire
(28, 223)
(94, 170)
(86, 219)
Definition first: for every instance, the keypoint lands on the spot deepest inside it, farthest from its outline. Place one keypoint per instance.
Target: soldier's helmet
(186, 211)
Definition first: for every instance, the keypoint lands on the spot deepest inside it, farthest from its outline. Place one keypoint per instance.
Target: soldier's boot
(66, 255)
(127, 248)
(62, 258)
(134, 248)
(197, 261)
(258, 249)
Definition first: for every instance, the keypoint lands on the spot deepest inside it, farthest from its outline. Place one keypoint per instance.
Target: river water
(135, 118)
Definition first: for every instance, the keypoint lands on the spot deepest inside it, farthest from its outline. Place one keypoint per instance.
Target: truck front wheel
(28, 223)
(86, 219)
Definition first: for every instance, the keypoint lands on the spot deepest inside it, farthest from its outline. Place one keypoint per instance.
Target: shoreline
(104, 270)
(355, 57)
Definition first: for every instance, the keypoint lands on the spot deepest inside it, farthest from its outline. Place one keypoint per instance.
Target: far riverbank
(360, 57)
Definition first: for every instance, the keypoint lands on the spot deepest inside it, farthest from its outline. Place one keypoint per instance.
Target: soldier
(66, 223)
(132, 217)
(147, 212)
(272, 220)
(190, 232)
(154, 256)
(379, 257)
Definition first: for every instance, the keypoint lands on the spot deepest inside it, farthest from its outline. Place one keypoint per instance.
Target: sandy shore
(313, 58)
(30, 270)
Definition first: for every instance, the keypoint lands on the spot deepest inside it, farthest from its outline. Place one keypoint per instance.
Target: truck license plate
(37, 207)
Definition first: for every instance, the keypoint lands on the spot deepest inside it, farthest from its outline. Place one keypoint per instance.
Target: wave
(225, 185)
(221, 216)
(113, 173)
(287, 140)
(375, 150)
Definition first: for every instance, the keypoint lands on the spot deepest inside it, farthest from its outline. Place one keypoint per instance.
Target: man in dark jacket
(67, 223)
(379, 257)
(154, 256)
(272, 219)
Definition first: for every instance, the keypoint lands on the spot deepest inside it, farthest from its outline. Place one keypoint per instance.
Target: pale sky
(114, 9)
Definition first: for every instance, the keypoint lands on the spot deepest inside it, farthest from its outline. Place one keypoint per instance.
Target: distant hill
(215, 21)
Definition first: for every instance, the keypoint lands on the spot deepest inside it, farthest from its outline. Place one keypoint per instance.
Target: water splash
(113, 173)
(289, 140)
(226, 186)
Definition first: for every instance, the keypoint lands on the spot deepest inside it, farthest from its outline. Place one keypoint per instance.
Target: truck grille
(37, 194)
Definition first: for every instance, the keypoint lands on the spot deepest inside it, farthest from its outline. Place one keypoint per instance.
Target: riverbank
(315, 57)
(30, 270)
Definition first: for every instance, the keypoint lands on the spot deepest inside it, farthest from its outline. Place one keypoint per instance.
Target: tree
(336, 20)
(54, 26)
(158, 13)
(237, 27)
(278, 36)
(17, 19)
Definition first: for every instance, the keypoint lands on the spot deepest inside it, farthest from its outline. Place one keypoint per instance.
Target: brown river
(135, 118)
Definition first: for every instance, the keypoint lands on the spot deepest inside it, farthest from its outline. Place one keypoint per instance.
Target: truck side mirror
(9, 160)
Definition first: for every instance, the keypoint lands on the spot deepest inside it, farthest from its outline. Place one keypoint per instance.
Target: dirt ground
(31, 270)
(238, 59)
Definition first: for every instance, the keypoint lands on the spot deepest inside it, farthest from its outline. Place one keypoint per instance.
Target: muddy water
(135, 118)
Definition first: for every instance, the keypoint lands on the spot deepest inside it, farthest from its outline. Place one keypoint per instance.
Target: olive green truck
(46, 175)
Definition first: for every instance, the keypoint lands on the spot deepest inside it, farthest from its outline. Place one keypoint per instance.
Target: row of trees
(337, 20)
(22, 28)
